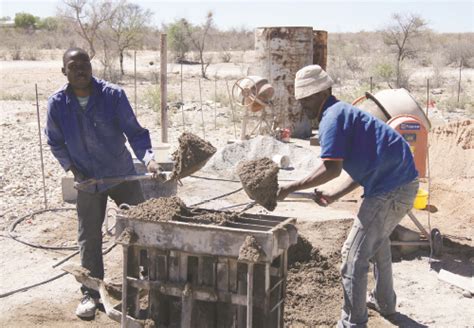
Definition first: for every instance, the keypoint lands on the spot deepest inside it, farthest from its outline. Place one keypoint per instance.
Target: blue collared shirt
(93, 140)
(374, 155)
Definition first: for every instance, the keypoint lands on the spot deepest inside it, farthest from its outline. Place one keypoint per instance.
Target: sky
(332, 16)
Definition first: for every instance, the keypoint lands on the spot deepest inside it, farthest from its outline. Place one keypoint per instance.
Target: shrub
(25, 20)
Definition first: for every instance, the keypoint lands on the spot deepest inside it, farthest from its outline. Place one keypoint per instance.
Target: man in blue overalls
(377, 158)
(89, 120)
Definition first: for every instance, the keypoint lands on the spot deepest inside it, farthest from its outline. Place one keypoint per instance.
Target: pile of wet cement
(191, 155)
(174, 209)
(251, 251)
(260, 181)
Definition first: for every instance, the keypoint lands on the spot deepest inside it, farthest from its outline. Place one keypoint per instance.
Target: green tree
(25, 20)
(178, 39)
(48, 23)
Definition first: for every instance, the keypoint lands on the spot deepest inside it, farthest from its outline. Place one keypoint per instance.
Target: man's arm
(330, 197)
(328, 170)
(138, 137)
(55, 139)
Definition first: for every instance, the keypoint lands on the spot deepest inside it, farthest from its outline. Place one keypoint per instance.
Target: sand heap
(226, 159)
(191, 155)
(452, 150)
(260, 181)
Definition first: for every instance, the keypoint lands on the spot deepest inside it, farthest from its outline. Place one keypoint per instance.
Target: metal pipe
(202, 111)
(135, 80)
(182, 99)
(215, 104)
(231, 108)
(163, 88)
(41, 147)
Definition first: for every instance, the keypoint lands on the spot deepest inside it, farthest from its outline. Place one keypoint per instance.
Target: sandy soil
(424, 300)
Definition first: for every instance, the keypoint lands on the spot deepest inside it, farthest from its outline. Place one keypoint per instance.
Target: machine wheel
(436, 242)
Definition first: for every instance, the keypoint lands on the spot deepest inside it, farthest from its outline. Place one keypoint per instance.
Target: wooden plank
(183, 267)
(465, 283)
(133, 271)
(153, 294)
(124, 287)
(250, 268)
(187, 307)
(196, 239)
(233, 275)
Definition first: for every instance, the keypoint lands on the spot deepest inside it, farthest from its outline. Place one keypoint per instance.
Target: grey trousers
(368, 240)
(91, 209)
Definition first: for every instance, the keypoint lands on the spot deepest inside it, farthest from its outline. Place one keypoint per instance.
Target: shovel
(163, 176)
(317, 197)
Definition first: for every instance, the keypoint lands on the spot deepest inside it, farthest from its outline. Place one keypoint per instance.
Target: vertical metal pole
(135, 80)
(41, 147)
(249, 295)
(215, 104)
(371, 85)
(182, 99)
(459, 82)
(231, 108)
(163, 88)
(427, 95)
(202, 112)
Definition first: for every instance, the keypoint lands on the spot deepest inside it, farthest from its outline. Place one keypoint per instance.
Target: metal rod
(163, 88)
(459, 82)
(135, 80)
(249, 295)
(41, 147)
(182, 99)
(202, 111)
(215, 104)
(427, 95)
(231, 108)
(419, 225)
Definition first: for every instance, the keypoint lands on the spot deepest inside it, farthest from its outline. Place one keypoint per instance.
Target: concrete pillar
(320, 48)
(280, 52)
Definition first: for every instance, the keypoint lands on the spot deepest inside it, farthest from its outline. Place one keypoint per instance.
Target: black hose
(32, 286)
(19, 220)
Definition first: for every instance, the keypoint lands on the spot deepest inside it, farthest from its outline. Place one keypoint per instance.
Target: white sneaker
(87, 306)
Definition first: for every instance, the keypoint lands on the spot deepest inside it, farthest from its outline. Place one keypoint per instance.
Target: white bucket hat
(310, 80)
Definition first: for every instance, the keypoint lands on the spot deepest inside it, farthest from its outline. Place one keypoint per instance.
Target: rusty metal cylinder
(320, 48)
(280, 52)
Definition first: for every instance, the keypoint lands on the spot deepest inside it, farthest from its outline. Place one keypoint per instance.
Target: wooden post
(163, 88)
(249, 295)
(124, 287)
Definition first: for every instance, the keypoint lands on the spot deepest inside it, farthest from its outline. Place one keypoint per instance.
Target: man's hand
(156, 169)
(78, 175)
(283, 192)
(323, 198)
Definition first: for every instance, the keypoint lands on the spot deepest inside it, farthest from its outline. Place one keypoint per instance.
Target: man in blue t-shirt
(377, 158)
